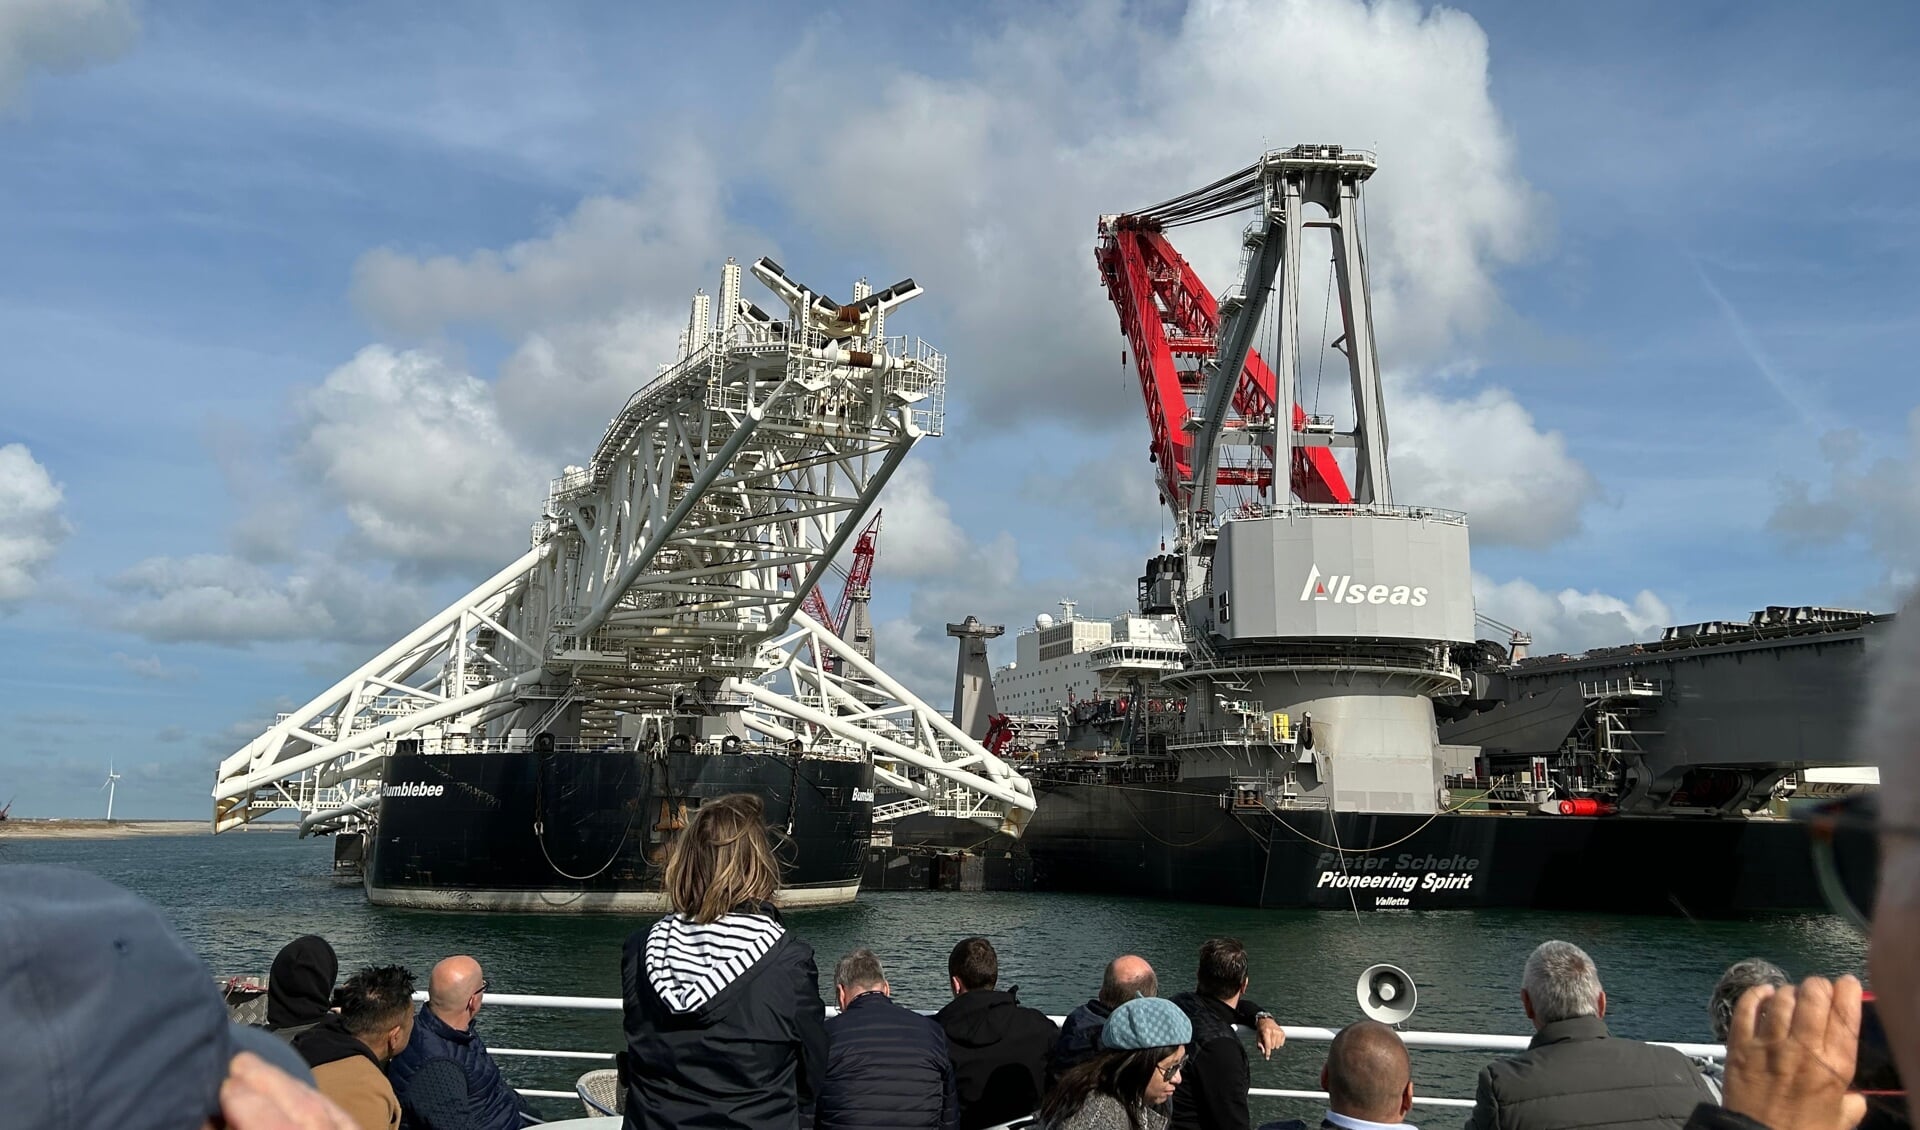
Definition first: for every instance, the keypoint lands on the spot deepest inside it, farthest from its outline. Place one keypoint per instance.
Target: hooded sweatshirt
(300, 986)
(346, 1071)
(724, 1023)
(999, 1055)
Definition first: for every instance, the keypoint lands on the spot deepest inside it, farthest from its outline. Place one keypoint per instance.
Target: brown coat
(361, 1089)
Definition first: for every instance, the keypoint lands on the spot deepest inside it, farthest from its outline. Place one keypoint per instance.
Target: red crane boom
(860, 577)
(1167, 312)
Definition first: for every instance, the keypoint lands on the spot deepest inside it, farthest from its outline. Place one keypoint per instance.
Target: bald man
(445, 1079)
(1129, 976)
(1368, 1080)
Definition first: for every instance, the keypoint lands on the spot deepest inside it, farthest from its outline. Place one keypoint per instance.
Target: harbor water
(238, 898)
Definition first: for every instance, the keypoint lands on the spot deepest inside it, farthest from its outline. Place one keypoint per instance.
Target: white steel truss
(673, 564)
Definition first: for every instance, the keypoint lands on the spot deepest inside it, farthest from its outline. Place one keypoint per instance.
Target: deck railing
(1445, 1041)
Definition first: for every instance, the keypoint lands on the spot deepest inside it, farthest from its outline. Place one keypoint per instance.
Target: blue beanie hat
(1146, 1022)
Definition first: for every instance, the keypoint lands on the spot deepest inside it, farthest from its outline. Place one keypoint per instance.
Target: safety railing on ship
(1442, 1041)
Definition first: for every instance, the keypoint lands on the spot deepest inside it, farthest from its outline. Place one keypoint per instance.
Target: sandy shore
(18, 829)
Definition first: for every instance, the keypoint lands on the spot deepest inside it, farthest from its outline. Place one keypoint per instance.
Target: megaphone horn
(1386, 994)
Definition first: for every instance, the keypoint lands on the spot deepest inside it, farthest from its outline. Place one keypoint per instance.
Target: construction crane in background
(850, 620)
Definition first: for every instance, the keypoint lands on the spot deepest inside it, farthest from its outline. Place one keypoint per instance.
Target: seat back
(601, 1091)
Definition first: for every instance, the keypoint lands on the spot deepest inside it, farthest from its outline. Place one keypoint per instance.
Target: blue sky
(301, 308)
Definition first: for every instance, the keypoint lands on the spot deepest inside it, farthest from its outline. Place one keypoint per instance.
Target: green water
(238, 898)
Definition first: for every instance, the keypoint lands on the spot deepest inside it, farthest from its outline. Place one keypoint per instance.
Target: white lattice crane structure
(666, 577)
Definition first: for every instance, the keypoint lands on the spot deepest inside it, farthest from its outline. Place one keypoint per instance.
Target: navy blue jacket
(887, 1066)
(488, 1103)
(1079, 1039)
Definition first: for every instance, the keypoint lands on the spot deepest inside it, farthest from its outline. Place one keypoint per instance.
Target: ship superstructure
(1334, 733)
(538, 742)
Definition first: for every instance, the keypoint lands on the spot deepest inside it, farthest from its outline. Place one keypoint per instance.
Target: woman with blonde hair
(724, 1022)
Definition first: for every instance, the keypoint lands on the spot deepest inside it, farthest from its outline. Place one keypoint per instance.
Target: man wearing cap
(110, 1021)
(349, 1050)
(1129, 976)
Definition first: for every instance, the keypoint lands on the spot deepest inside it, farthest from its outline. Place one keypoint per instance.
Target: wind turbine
(111, 778)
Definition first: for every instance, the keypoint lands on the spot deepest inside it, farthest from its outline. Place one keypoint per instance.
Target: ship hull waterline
(585, 831)
(1185, 841)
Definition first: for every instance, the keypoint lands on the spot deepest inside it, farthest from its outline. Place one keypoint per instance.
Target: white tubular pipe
(243, 785)
(450, 615)
(931, 763)
(993, 766)
(314, 819)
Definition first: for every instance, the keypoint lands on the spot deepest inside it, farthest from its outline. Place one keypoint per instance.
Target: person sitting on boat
(350, 1049)
(887, 1066)
(445, 1078)
(1733, 984)
(1792, 1051)
(1218, 1074)
(1124, 1084)
(1573, 1073)
(724, 1023)
(999, 1045)
(1129, 976)
(1368, 1079)
(300, 986)
(111, 1021)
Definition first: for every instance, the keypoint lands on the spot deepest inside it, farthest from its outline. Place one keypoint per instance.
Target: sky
(301, 307)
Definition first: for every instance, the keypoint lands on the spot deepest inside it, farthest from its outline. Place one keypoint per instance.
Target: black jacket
(1573, 1075)
(1213, 1087)
(329, 1041)
(887, 1067)
(999, 1055)
(724, 1024)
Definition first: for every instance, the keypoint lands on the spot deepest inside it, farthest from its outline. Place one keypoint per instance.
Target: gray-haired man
(1574, 1073)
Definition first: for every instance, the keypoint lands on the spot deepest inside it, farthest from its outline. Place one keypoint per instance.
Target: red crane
(1166, 312)
(859, 580)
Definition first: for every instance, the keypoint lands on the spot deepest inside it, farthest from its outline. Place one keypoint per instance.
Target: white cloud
(918, 536)
(990, 183)
(611, 255)
(415, 452)
(1872, 502)
(59, 36)
(561, 386)
(1484, 455)
(1570, 620)
(224, 600)
(31, 523)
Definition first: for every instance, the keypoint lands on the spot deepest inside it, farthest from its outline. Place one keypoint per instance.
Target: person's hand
(260, 1096)
(1267, 1033)
(1790, 1055)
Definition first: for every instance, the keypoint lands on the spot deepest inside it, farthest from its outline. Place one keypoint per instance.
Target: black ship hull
(1180, 840)
(582, 831)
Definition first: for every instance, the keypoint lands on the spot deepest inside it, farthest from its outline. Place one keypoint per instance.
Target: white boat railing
(1441, 1041)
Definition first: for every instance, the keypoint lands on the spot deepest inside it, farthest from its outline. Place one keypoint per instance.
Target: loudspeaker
(1386, 994)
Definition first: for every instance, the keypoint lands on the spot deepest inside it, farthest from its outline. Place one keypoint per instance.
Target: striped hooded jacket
(724, 1023)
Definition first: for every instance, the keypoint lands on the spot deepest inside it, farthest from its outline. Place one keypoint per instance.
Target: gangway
(672, 569)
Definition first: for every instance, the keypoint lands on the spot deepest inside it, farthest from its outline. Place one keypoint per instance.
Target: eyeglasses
(1170, 1070)
(484, 985)
(1846, 859)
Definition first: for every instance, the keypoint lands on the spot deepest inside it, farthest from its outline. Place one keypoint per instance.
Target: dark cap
(107, 1019)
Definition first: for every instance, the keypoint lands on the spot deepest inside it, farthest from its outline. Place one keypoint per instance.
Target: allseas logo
(413, 789)
(1343, 589)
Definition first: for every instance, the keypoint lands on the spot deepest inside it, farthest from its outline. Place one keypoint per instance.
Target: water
(238, 898)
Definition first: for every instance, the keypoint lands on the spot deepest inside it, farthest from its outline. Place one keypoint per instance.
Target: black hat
(107, 1019)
